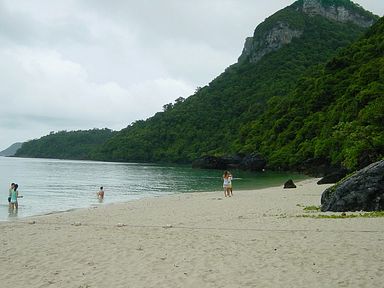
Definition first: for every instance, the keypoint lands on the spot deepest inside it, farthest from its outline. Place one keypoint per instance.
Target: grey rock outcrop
(363, 191)
(335, 13)
(282, 33)
(279, 35)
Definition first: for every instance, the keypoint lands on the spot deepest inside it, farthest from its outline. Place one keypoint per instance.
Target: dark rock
(321, 167)
(289, 184)
(362, 191)
(209, 162)
(316, 167)
(253, 162)
(233, 161)
(333, 177)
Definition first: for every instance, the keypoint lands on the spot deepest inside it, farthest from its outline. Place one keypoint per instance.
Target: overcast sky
(83, 64)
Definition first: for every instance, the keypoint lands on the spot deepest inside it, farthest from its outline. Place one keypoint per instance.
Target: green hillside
(236, 112)
(66, 145)
(306, 92)
(335, 115)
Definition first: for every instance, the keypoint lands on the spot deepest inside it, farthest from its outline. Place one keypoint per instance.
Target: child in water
(100, 194)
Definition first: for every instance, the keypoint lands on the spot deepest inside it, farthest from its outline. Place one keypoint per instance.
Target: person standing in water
(100, 194)
(10, 193)
(14, 195)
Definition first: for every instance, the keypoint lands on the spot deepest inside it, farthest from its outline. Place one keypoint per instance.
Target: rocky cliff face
(335, 13)
(256, 48)
(283, 33)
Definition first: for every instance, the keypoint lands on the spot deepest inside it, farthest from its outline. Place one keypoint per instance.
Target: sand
(254, 239)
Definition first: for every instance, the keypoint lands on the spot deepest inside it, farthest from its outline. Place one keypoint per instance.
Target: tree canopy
(276, 106)
(66, 145)
(318, 99)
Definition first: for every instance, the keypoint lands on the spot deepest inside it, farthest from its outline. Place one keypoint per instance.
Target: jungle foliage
(318, 99)
(66, 145)
(335, 114)
(286, 106)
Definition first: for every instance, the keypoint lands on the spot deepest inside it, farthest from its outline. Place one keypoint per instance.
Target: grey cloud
(16, 27)
(21, 28)
(82, 64)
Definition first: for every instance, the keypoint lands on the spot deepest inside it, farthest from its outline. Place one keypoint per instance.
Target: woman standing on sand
(230, 191)
(227, 183)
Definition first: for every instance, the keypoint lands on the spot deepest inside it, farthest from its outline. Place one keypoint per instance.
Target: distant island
(11, 150)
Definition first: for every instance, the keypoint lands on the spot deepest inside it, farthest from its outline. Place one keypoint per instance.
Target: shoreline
(91, 206)
(253, 239)
(47, 192)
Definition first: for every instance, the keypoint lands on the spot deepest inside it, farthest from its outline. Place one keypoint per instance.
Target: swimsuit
(226, 182)
(14, 196)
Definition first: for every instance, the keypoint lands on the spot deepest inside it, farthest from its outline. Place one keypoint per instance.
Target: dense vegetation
(66, 145)
(228, 115)
(308, 102)
(335, 115)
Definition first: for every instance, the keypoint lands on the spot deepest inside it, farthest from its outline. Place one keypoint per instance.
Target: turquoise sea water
(49, 185)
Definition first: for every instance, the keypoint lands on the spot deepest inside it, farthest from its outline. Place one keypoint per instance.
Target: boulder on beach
(362, 191)
(289, 184)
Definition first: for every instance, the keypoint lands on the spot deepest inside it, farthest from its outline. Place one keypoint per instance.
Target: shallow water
(50, 185)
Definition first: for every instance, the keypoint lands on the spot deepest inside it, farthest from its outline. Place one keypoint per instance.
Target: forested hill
(66, 145)
(335, 115)
(236, 111)
(307, 90)
(11, 150)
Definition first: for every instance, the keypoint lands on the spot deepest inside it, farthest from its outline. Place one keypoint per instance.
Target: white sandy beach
(253, 239)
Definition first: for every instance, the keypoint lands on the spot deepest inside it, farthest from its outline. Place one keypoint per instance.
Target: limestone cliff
(255, 48)
(336, 12)
(275, 32)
